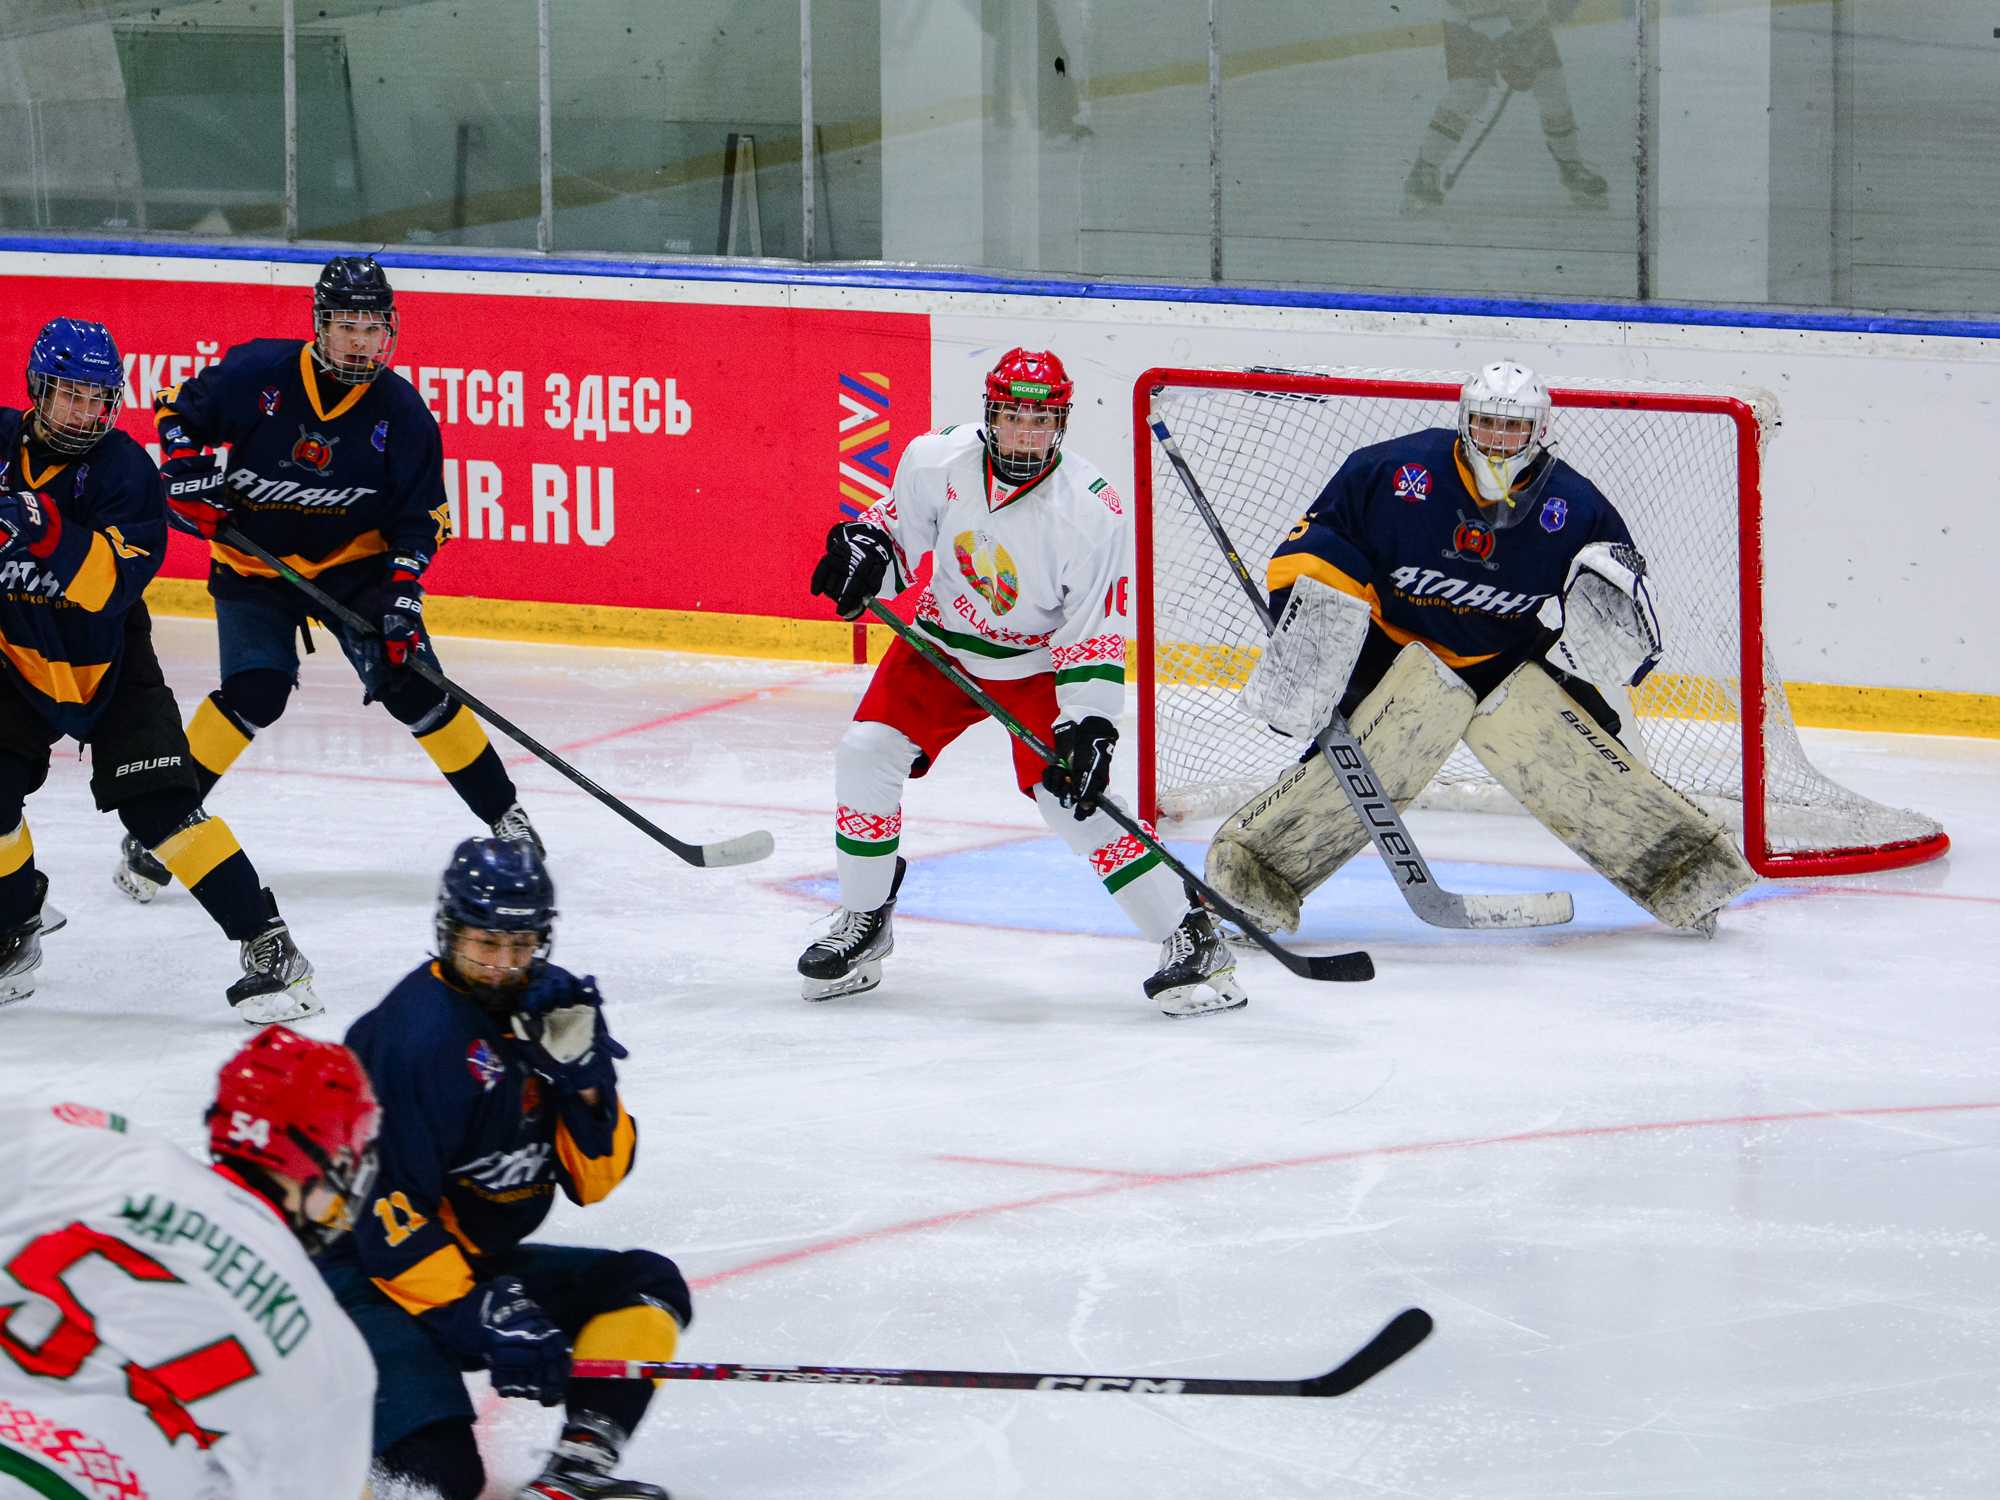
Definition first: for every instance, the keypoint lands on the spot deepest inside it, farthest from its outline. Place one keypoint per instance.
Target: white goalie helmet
(1504, 414)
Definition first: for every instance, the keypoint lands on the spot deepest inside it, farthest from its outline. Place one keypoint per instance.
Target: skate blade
(52, 920)
(1219, 993)
(133, 884)
(13, 991)
(862, 978)
(282, 1006)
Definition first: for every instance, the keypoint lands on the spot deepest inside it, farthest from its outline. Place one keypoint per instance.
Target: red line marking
(1127, 1182)
(1038, 1166)
(525, 758)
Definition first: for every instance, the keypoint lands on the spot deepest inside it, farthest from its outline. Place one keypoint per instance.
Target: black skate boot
(21, 947)
(139, 875)
(1422, 192)
(1586, 188)
(277, 978)
(513, 824)
(580, 1467)
(848, 960)
(1197, 972)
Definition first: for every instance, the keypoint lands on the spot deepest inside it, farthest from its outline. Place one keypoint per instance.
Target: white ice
(1710, 1219)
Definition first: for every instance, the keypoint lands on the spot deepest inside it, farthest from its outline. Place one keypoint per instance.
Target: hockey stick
(1344, 967)
(742, 850)
(1473, 150)
(1404, 1332)
(1378, 814)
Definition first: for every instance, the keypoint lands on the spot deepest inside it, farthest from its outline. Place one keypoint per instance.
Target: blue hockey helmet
(353, 296)
(76, 382)
(494, 886)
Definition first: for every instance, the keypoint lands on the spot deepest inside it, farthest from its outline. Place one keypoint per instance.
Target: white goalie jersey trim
(166, 1336)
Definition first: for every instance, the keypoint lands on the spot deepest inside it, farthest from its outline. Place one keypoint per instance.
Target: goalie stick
(1403, 1333)
(1339, 967)
(745, 849)
(1349, 763)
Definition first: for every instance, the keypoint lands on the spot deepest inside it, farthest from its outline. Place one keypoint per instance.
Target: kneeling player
(495, 1073)
(1030, 547)
(82, 532)
(164, 1335)
(1471, 585)
(335, 466)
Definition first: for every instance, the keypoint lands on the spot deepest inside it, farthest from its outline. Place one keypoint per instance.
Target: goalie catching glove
(858, 557)
(1303, 670)
(1610, 633)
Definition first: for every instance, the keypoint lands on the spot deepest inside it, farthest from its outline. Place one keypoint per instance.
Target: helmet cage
(352, 369)
(347, 1180)
(1018, 466)
(496, 998)
(73, 434)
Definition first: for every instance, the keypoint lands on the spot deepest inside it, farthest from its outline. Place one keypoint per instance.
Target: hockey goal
(1681, 462)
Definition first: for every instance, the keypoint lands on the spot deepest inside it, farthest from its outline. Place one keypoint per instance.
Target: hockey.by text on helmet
(76, 384)
(302, 1109)
(1504, 414)
(1028, 394)
(354, 319)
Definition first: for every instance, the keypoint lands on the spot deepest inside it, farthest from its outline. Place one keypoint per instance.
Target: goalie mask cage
(1681, 462)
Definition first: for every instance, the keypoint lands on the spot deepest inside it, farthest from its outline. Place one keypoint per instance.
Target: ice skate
(513, 824)
(1586, 188)
(20, 956)
(277, 978)
(1197, 972)
(580, 1467)
(1705, 926)
(848, 960)
(1422, 192)
(139, 875)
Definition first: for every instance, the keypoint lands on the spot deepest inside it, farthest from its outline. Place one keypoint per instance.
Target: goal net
(1681, 462)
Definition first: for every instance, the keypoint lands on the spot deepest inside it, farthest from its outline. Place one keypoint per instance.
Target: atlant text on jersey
(1399, 526)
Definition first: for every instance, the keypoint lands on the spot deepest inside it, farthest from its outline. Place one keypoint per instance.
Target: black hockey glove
(28, 523)
(562, 1021)
(401, 605)
(196, 501)
(858, 558)
(1086, 770)
(498, 1325)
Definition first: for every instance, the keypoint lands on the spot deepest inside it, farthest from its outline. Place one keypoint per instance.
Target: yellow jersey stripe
(596, 1176)
(94, 581)
(64, 681)
(438, 1280)
(368, 544)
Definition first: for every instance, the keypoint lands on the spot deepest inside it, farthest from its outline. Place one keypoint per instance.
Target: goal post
(1683, 464)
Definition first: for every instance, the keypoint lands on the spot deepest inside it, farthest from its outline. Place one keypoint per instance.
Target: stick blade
(1548, 909)
(1341, 968)
(746, 849)
(1404, 1332)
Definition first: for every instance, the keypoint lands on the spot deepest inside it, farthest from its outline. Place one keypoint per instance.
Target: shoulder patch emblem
(1554, 513)
(268, 399)
(84, 1115)
(1413, 482)
(1102, 489)
(484, 1064)
(380, 437)
(82, 475)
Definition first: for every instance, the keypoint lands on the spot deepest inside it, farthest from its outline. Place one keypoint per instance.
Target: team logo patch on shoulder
(1413, 482)
(268, 398)
(90, 1119)
(1473, 540)
(484, 1064)
(1554, 512)
(313, 450)
(82, 474)
(1102, 489)
(988, 568)
(380, 437)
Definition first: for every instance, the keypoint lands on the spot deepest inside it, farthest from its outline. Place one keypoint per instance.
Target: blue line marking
(1037, 884)
(917, 279)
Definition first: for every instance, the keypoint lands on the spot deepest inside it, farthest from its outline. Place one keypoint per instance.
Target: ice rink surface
(1694, 1219)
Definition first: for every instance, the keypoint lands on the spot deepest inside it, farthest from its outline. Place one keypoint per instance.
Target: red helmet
(1032, 378)
(1027, 382)
(289, 1104)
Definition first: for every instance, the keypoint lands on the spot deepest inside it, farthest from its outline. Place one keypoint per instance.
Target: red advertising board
(637, 454)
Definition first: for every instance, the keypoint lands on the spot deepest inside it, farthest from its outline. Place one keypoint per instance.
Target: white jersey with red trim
(164, 1336)
(1026, 580)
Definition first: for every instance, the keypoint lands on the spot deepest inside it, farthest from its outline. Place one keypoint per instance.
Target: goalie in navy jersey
(1468, 585)
(335, 466)
(498, 1087)
(83, 529)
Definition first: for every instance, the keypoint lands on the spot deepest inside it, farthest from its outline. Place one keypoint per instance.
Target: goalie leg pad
(1627, 824)
(1283, 844)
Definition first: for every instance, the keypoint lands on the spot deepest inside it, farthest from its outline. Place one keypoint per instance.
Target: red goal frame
(1750, 583)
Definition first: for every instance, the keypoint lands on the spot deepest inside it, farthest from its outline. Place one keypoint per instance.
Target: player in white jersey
(1027, 594)
(163, 1335)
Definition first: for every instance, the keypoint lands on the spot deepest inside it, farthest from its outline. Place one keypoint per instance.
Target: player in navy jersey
(336, 466)
(1468, 585)
(496, 1076)
(83, 528)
